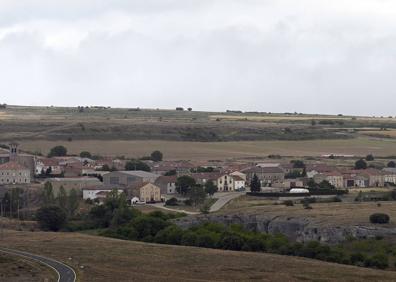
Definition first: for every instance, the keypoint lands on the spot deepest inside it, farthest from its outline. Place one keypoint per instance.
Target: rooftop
(12, 166)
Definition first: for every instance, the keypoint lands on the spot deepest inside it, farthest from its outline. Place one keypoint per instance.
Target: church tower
(13, 152)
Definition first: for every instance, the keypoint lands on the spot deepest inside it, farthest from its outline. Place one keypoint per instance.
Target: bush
(170, 235)
(391, 164)
(51, 218)
(232, 242)
(171, 202)
(148, 226)
(379, 218)
(370, 158)
(288, 203)
(378, 261)
(358, 259)
(188, 202)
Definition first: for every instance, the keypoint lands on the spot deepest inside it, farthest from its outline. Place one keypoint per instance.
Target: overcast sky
(327, 56)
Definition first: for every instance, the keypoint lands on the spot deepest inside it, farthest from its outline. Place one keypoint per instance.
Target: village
(155, 180)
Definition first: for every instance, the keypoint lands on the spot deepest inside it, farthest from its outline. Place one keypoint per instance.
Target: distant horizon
(202, 110)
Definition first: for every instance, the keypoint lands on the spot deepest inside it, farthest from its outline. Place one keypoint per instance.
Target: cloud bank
(259, 55)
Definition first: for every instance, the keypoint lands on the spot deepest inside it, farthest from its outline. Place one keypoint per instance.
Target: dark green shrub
(171, 202)
(188, 202)
(51, 218)
(148, 226)
(358, 259)
(189, 238)
(170, 235)
(378, 261)
(232, 242)
(379, 218)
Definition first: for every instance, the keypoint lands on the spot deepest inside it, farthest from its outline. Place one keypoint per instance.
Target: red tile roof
(166, 179)
(12, 166)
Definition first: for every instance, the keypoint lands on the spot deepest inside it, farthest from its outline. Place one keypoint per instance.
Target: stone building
(14, 173)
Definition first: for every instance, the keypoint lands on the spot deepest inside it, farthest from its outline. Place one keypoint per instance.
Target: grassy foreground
(105, 259)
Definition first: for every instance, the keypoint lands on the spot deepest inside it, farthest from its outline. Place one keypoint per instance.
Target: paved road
(161, 206)
(223, 198)
(65, 273)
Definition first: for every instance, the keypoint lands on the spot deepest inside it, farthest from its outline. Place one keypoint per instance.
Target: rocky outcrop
(295, 228)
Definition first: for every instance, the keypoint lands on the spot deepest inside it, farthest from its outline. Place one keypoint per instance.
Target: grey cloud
(211, 55)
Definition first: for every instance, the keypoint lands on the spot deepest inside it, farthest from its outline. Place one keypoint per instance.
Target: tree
(73, 202)
(210, 187)
(189, 109)
(326, 185)
(197, 195)
(184, 184)
(48, 194)
(85, 154)
(62, 198)
(391, 164)
(137, 165)
(51, 218)
(171, 172)
(312, 184)
(369, 157)
(6, 205)
(360, 164)
(58, 151)
(16, 199)
(298, 164)
(156, 156)
(255, 185)
(205, 208)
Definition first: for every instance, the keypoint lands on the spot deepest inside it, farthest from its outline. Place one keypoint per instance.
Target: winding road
(65, 273)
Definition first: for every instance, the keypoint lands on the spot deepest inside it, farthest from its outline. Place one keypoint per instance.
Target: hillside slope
(104, 259)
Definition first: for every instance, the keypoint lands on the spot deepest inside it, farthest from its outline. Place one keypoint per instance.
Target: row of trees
(61, 151)
(56, 210)
(12, 202)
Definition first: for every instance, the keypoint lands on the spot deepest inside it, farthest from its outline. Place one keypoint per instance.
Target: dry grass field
(16, 269)
(383, 133)
(192, 135)
(220, 150)
(103, 259)
(353, 213)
